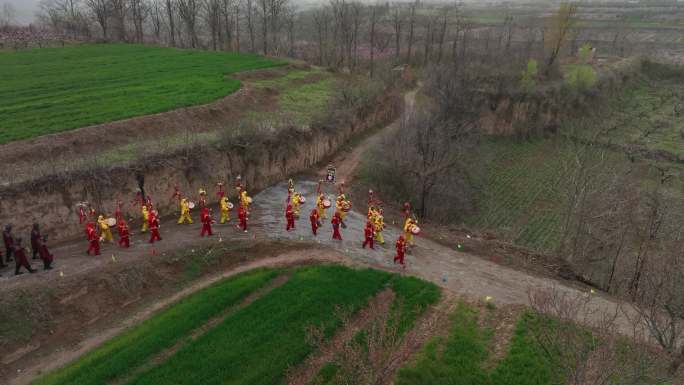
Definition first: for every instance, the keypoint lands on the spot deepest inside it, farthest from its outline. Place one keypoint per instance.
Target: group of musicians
(98, 228)
(375, 223)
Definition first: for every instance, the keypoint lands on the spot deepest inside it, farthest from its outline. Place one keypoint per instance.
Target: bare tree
(156, 17)
(140, 11)
(119, 11)
(412, 25)
(171, 18)
(212, 16)
(251, 27)
(559, 28)
(188, 11)
(7, 14)
(374, 19)
(441, 34)
(321, 19)
(100, 9)
(357, 20)
(398, 19)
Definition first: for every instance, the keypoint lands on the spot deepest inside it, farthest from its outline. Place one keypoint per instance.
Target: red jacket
(314, 216)
(92, 234)
(368, 232)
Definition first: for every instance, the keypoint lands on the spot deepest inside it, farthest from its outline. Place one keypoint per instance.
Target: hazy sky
(26, 9)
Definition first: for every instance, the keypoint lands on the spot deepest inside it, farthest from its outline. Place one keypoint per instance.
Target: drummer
(225, 206)
(342, 207)
(185, 207)
(105, 231)
(410, 229)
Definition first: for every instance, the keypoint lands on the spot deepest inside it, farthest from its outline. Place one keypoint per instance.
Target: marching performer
(118, 215)
(314, 221)
(220, 192)
(410, 229)
(322, 203)
(336, 221)
(124, 234)
(145, 214)
(401, 251)
(290, 216)
(379, 226)
(202, 203)
(45, 254)
(176, 196)
(342, 206)
(205, 218)
(242, 216)
(184, 212)
(225, 209)
(244, 199)
(105, 232)
(368, 234)
(35, 240)
(82, 216)
(93, 239)
(21, 258)
(154, 226)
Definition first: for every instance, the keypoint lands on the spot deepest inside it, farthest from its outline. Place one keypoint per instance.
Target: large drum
(191, 205)
(302, 200)
(230, 206)
(111, 222)
(346, 207)
(327, 203)
(415, 230)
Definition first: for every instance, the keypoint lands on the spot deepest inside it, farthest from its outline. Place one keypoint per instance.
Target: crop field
(649, 112)
(255, 344)
(459, 358)
(52, 90)
(519, 192)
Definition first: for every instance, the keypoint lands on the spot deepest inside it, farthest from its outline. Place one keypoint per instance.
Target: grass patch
(458, 358)
(121, 355)
(257, 344)
(57, 89)
(305, 102)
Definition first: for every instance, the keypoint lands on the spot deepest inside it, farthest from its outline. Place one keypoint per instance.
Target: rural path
(470, 276)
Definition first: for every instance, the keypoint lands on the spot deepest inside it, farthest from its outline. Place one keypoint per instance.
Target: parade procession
(325, 209)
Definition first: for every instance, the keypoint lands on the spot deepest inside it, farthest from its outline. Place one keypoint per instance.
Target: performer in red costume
(118, 215)
(314, 221)
(205, 218)
(21, 258)
(154, 227)
(336, 226)
(35, 240)
(124, 234)
(242, 216)
(401, 250)
(289, 214)
(369, 234)
(220, 192)
(93, 239)
(45, 254)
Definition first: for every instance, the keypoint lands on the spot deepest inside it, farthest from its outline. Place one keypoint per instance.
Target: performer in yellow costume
(225, 209)
(342, 206)
(185, 212)
(378, 222)
(245, 200)
(105, 232)
(145, 218)
(408, 227)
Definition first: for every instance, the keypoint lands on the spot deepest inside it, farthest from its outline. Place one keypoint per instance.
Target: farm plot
(519, 194)
(57, 89)
(255, 344)
(648, 112)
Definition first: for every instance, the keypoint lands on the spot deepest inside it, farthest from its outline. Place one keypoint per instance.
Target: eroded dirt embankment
(261, 158)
